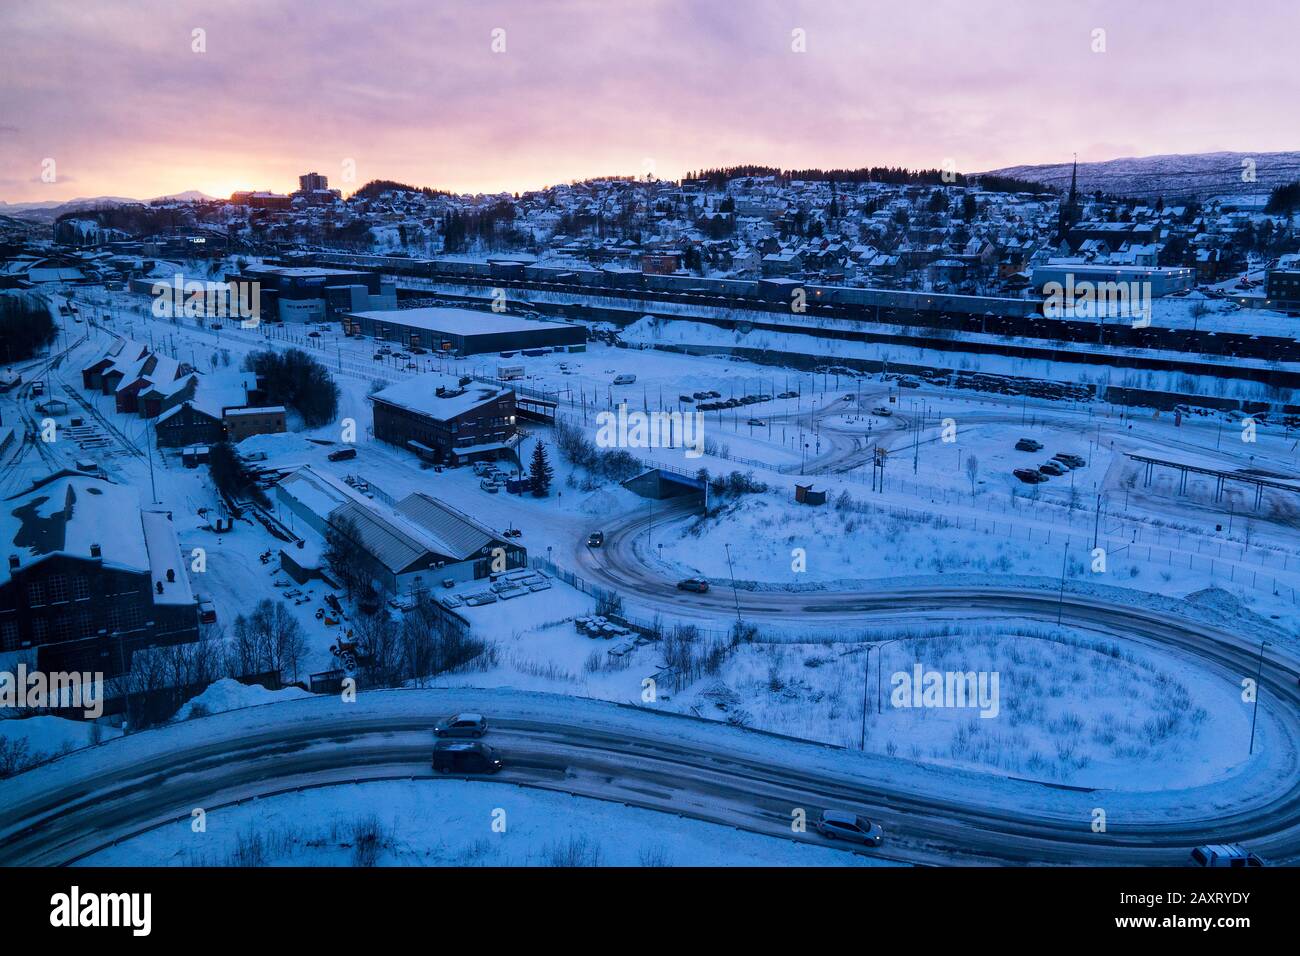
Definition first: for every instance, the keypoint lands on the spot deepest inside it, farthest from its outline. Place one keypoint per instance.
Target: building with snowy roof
(446, 422)
(466, 331)
(89, 577)
(409, 545)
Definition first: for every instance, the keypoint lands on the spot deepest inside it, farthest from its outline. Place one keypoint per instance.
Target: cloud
(413, 91)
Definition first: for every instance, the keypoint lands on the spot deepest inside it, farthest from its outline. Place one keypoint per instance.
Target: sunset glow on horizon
(119, 98)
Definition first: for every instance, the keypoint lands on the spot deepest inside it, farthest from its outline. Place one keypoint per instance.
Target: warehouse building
(466, 331)
(446, 420)
(89, 577)
(306, 294)
(415, 544)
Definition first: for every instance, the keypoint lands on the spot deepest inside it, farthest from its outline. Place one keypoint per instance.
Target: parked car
(313, 335)
(595, 539)
(490, 486)
(464, 756)
(1030, 476)
(842, 825)
(908, 383)
(1073, 461)
(626, 378)
(1225, 854)
(343, 454)
(1055, 469)
(461, 725)
(882, 411)
(686, 399)
(698, 585)
(1028, 444)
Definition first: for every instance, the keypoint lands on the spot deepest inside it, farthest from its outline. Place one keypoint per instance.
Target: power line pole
(1255, 713)
(734, 594)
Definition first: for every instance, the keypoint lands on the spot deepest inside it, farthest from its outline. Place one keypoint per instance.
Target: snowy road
(65, 811)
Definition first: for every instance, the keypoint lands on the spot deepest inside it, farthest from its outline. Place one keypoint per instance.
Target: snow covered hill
(1198, 176)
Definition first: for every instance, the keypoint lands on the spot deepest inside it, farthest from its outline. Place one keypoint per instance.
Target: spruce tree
(540, 471)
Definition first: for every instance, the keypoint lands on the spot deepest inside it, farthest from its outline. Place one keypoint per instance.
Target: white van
(627, 378)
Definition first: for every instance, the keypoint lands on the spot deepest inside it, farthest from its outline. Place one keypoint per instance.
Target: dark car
(1052, 468)
(1030, 476)
(461, 725)
(343, 454)
(698, 585)
(595, 539)
(464, 756)
(1028, 444)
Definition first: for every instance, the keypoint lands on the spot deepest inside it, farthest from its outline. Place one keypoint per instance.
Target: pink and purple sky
(113, 92)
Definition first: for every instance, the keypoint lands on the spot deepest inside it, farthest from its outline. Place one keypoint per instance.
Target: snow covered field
(456, 823)
(1067, 707)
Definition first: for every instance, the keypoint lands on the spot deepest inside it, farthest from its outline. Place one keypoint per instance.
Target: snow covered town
(869, 514)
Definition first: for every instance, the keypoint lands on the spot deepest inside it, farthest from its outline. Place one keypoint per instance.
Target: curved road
(642, 758)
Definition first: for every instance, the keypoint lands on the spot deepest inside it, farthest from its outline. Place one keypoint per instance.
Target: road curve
(65, 811)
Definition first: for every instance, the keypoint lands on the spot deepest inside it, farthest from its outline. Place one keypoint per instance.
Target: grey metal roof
(458, 535)
(385, 541)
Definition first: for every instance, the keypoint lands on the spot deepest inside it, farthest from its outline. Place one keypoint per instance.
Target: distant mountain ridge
(1198, 176)
(49, 210)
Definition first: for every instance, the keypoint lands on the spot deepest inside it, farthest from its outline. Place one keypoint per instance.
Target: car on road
(842, 825)
(698, 585)
(595, 539)
(882, 411)
(1225, 855)
(1052, 468)
(757, 423)
(461, 725)
(343, 454)
(1030, 476)
(1028, 444)
(313, 334)
(1071, 461)
(464, 756)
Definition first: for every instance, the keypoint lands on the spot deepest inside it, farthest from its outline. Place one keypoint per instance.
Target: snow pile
(228, 694)
(37, 739)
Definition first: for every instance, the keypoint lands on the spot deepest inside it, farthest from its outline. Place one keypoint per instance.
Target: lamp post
(1255, 712)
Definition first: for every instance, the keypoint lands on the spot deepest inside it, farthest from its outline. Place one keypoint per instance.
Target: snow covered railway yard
(867, 546)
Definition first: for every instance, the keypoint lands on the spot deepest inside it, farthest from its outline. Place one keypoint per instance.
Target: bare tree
(972, 471)
(345, 555)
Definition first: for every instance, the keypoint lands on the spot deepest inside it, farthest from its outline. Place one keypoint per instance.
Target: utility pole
(866, 675)
(1060, 605)
(1255, 713)
(734, 595)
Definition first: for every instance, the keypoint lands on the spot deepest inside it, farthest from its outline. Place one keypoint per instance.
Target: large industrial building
(466, 331)
(446, 420)
(88, 577)
(412, 545)
(306, 294)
